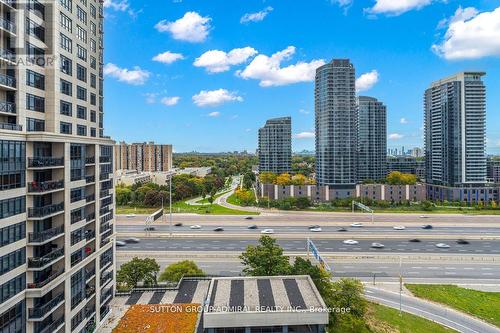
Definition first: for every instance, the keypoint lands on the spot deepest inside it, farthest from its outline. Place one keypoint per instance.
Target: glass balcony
(89, 234)
(40, 212)
(7, 80)
(90, 197)
(90, 217)
(39, 262)
(45, 162)
(104, 159)
(51, 277)
(89, 273)
(107, 276)
(51, 326)
(107, 294)
(11, 127)
(40, 187)
(8, 107)
(90, 179)
(40, 312)
(10, 3)
(40, 237)
(90, 160)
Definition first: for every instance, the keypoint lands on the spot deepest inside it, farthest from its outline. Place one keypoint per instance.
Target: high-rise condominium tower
(372, 139)
(275, 145)
(336, 124)
(56, 181)
(455, 138)
(146, 156)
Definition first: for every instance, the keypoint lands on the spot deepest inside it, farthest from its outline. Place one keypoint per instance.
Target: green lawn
(484, 305)
(182, 207)
(205, 201)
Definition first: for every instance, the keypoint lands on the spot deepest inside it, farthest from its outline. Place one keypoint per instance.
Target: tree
(284, 179)
(267, 178)
(265, 259)
(211, 199)
(174, 272)
(399, 178)
(303, 203)
(347, 293)
(136, 270)
(299, 179)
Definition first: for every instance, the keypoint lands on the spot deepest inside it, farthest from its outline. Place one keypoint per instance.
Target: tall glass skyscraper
(336, 124)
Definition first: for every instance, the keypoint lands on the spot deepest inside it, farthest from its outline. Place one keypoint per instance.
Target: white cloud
(120, 6)
(168, 57)
(471, 35)
(214, 114)
(397, 7)
(151, 98)
(170, 101)
(211, 98)
(270, 73)
(304, 135)
(366, 81)
(256, 17)
(303, 111)
(403, 121)
(395, 136)
(136, 76)
(216, 61)
(192, 27)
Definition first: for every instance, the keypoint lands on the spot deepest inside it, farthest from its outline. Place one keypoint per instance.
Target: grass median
(483, 305)
(182, 207)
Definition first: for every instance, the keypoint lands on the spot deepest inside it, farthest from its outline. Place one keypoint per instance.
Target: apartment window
(81, 14)
(35, 125)
(34, 29)
(35, 80)
(93, 29)
(35, 54)
(14, 319)
(76, 194)
(11, 207)
(37, 8)
(81, 33)
(92, 132)
(65, 128)
(67, 4)
(66, 88)
(12, 233)
(81, 73)
(81, 130)
(93, 62)
(12, 260)
(81, 52)
(81, 93)
(66, 108)
(12, 164)
(93, 100)
(93, 46)
(12, 287)
(66, 65)
(81, 112)
(66, 22)
(35, 103)
(93, 11)
(93, 80)
(84, 2)
(93, 116)
(66, 43)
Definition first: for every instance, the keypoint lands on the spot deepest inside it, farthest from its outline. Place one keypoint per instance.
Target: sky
(205, 75)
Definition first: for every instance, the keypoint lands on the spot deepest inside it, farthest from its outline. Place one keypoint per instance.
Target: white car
(399, 227)
(378, 245)
(315, 229)
(130, 215)
(196, 226)
(442, 246)
(424, 217)
(267, 231)
(120, 243)
(357, 225)
(350, 242)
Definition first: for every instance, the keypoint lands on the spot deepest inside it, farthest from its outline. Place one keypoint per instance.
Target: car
(120, 243)
(178, 224)
(130, 215)
(415, 240)
(219, 229)
(424, 217)
(462, 241)
(378, 245)
(252, 227)
(427, 226)
(267, 231)
(357, 225)
(399, 227)
(350, 242)
(442, 246)
(149, 228)
(248, 218)
(315, 229)
(196, 226)
(342, 229)
(132, 240)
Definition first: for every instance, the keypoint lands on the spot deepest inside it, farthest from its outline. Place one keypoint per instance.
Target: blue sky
(171, 76)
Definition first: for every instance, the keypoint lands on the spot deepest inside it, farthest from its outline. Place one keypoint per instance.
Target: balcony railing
(7, 55)
(7, 80)
(89, 235)
(89, 273)
(90, 217)
(106, 277)
(104, 193)
(43, 283)
(104, 176)
(9, 2)
(106, 294)
(8, 107)
(39, 212)
(90, 160)
(50, 327)
(104, 159)
(45, 162)
(90, 197)
(11, 127)
(38, 262)
(39, 237)
(90, 179)
(7, 25)
(40, 312)
(40, 187)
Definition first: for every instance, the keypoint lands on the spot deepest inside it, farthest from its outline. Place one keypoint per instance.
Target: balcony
(41, 187)
(46, 211)
(89, 273)
(104, 176)
(43, 283)
(45, 162)
(104, 193)
(7, 55)
(44, 236)
(106, 277)
(51, 327)
(7, 80)
(90, 217)
(106, 295)
(8, 107)
(42, 311)
(90, 198)
(49, 258)
(104, 159)
(10, 3)
(11, 127)
(89, 179)
(89, 234)
(90, 160)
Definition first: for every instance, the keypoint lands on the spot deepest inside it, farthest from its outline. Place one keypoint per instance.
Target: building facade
(56, 166)
(493, 170)
(143, 157)
(336, 124)
(455, 131)
(275, 146)
(406, 164)
(372, 139)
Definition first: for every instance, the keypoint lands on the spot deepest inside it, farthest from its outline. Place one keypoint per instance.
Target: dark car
(248, 218)
(219, 229)
(132, 240)
(342, 229)
(149, 228)
(178, 224)
(427, 226)
(414, 240)
(253, 227)
(462, 241)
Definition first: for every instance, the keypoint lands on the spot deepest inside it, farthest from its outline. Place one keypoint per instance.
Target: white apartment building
(56, 169)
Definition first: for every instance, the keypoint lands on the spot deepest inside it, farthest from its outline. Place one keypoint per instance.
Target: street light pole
(400, 285)
(170, 204)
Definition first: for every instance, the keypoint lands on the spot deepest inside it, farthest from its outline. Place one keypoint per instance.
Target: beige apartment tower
(56, 169)
(143, 157)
